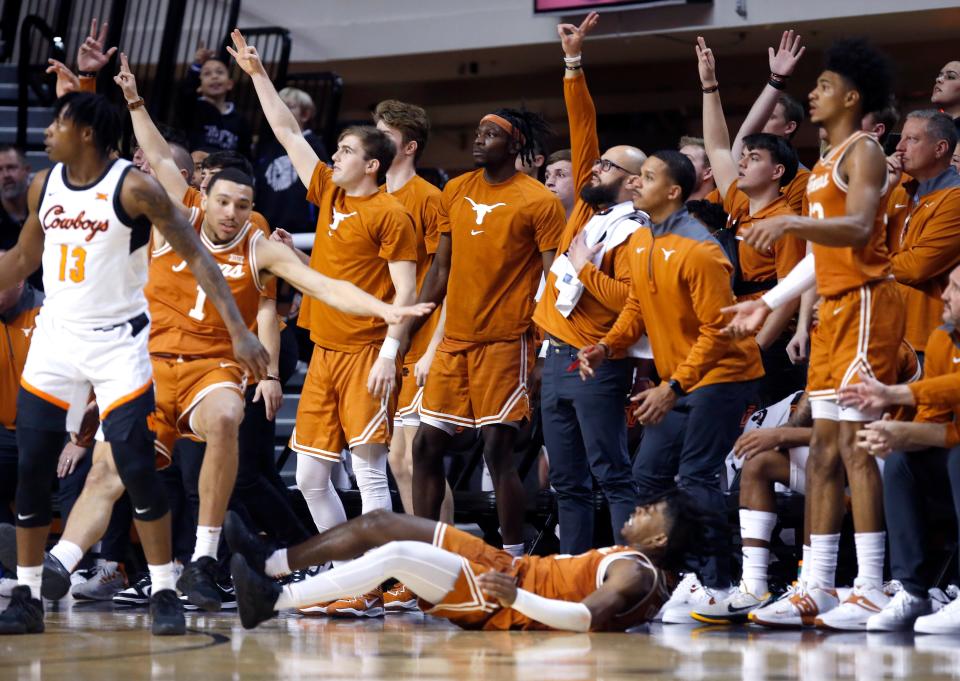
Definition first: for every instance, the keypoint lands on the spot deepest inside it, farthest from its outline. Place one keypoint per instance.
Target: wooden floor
(100, 643)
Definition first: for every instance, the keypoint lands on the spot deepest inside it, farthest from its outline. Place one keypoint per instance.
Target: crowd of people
(690, 290)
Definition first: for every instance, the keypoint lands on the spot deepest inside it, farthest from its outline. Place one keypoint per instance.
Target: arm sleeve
(707, 272)
(321, 176)
(626, 330)
(582, 117)
(936, 249)
(555, 614)
(801, 277)
(611, 291)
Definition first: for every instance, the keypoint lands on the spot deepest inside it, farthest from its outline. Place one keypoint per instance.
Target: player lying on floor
(472, 584)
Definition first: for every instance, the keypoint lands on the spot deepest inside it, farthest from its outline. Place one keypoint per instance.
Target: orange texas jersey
(422, 199)
(498, 233)
(183, 321)
(840, 269)
(356, 237)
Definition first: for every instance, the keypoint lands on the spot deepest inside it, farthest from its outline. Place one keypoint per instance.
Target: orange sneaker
(367, 605)
(399, 599)
(316, 609)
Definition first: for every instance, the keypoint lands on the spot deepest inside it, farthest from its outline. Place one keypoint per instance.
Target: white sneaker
(852, 614)
(734, 608)
(900, 613)
(945, 621)
(940, 598)
(689, 595)
(799, 606)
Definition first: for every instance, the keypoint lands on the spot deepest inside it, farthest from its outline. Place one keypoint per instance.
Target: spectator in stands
(281, 197)
(558, 177)
(14, 182)
(203, 110)
(198, 156)
(946, 91)
(924, 220)
(693, 149)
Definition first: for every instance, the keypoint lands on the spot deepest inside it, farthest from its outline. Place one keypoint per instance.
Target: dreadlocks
(530, 130)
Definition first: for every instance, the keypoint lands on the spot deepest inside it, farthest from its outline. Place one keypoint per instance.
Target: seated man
(922, 471)
(476, 586)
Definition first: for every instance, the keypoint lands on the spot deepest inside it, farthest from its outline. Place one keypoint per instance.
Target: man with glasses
(584, 423)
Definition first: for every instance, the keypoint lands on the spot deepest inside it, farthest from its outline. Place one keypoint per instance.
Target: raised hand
(203, 54)
(247, 56)
(67, 80)
(126, 80)
(571, 37)
(706, 63)
(784, 60)
(90, 55)
(748, 317)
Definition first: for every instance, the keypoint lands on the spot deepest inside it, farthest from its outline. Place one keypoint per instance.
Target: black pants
(687, 449)
(8, 474)
(782, 377)
(585, 431)
(918, 487)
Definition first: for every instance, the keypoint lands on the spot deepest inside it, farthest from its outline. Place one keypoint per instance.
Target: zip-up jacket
(938, 394)
(680, 280)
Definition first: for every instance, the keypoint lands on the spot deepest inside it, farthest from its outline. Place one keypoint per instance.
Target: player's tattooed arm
(142, 196)
(24, 258)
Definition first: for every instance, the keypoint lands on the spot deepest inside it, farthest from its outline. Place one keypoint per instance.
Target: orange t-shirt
(356, 237)
(422, 199)
(498, 232)
(840, 269)
(15, 332)
(192, 198)
(758, 265)
(796, 191)
(183, 321)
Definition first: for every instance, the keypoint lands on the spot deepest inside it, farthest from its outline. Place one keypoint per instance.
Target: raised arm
(24, 258)
(282, 122)
(581, 113)
(716, 137)
(155, 148)
(141, 196)
(782, 64)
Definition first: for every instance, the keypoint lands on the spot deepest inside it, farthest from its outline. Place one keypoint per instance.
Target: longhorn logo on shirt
(482, 209)
(667, 254)
(52, 220)
(339, 217)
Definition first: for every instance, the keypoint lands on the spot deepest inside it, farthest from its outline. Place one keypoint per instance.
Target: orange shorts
(478, 384)
(465, 605)
(409, 398)
(336, 410)
(179, 386)
(858, 334)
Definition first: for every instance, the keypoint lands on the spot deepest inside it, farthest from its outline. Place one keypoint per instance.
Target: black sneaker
(24, 615)
(137, 593)
(256, 594)
(199, 584)
(8, 547)
(228, 599)
(56, 579)
(167, 614)
(240, 539)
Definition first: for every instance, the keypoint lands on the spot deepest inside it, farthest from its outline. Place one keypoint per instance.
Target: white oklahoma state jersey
(94, 254)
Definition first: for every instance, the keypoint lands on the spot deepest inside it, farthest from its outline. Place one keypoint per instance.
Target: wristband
(711, 89)
(573, 68)
(606, 349)
(775, 84)
(133, 106)
(389, 348)
(573, 60)
(87, 74)
(676, 388)
(270, 377)
(779, 76)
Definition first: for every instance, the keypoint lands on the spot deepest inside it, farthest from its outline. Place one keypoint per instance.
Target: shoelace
(892, 587)
(953, 592)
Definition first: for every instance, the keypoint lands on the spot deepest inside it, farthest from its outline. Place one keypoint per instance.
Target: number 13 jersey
(94, 254)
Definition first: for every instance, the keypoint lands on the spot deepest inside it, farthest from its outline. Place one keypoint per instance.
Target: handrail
(24, 80)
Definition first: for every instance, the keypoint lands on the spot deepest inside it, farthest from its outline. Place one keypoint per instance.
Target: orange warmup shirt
(924, 225)
(422, 199)
(16, 327)
(356, 237)
(938, 394)
(183, 321)
(681, 280)
(759, 266)
(498, 233)
(606, 287)
(840, 269)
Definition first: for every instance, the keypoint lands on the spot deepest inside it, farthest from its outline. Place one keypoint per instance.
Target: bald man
(584, 423)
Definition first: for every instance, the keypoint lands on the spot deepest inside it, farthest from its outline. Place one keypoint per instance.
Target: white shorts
(65, 361)
(798, 468)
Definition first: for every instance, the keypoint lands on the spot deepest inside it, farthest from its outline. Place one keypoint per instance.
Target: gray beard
(15, 191)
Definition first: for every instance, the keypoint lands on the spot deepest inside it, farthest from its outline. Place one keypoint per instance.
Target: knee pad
(39, 451)
(135, 463)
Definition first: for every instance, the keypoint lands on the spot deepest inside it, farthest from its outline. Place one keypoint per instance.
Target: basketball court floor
(100, 643)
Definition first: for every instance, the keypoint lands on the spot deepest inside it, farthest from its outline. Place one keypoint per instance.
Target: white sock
(277, 565)
(823, 560)
(515, 550)
(805, 563)
(162, 577)
(68, 553)
(32, 577)
(208, 539)
(870, 546)
(756, 525)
